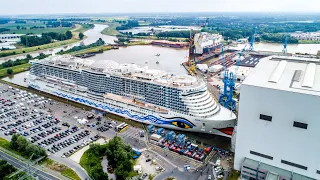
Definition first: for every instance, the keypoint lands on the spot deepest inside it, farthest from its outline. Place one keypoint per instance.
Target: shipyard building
(278, 124)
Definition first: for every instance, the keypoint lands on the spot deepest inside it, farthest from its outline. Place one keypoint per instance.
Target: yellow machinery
(191, 63)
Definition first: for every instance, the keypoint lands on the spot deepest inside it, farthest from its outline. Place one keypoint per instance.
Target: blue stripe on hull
(150, 118)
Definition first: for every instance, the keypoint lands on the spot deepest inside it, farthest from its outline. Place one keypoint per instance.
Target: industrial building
(240, 72)
(250, 61)
(278, 124)
(7, 41)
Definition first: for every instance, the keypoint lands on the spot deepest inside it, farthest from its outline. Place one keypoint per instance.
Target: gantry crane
(251, 48)
(226, 97)
(284, 50)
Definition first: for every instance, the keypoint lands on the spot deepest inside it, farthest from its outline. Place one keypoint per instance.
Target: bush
(22, 145)
(5, 169)
(9, 71)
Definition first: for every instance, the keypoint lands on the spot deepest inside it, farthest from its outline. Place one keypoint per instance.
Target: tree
(5, 169)
(119, 157)
(97, 173)
(9, 71)
(22, 143)
(81, 35)
(69, 34)
(13, 142)
(29, 56)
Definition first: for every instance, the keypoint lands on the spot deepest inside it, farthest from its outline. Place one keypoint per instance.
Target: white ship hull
(170, 120)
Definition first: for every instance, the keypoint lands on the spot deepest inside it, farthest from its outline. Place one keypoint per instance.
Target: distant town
(184, 96)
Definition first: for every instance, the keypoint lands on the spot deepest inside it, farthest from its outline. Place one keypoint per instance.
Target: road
(19, 165)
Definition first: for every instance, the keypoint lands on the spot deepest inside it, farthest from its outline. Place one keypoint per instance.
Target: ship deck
(135, 102)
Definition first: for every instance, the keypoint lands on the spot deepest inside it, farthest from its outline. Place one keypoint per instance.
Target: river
(169, 59)
(291, 48)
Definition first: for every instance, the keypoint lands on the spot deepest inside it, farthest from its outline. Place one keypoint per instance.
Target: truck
(156, 137)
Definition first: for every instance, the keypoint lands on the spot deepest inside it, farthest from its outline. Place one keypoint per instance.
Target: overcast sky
(11, 7)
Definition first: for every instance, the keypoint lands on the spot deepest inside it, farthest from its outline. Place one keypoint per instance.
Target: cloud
(129, 6)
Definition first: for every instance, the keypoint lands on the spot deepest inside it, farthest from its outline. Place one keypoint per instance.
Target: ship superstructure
(146, 95)
(206, 42)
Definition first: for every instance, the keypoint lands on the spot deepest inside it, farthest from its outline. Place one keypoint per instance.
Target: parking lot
(56, 126)
(31, 116)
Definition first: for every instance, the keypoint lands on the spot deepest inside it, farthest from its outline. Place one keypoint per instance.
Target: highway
(19, 165)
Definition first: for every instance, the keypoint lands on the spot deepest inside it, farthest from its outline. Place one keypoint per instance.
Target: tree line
(4, 29)
(54, 24)
(119, 156)
(26, 148)
(130, 24)
(278, 38)
(46, 38)
(178, 34)
(99, 42)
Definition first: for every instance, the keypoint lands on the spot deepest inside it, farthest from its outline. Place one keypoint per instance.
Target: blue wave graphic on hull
(149, 118)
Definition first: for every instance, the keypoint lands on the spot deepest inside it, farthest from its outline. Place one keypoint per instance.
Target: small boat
(157, 62)
(158, 54)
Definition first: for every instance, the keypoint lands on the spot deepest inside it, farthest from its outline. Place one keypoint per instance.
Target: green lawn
(16, 69)
(70, 174)
(84, 161)
(111, 30)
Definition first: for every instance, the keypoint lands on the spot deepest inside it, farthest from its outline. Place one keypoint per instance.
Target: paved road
(19, 165)
(73, 165)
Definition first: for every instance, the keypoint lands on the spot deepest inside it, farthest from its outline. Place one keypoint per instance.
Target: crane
(284, 50)
(226, 97)
(251, 48)
(191, 62)
(238, 62)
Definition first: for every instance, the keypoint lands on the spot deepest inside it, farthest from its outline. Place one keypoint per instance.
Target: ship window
(318, 172)
(265, 117)
(203, 124)
(300, 125)
(261, 155)
(294, 165)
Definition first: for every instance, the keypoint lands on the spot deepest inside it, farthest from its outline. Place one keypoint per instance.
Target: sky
(16, 7)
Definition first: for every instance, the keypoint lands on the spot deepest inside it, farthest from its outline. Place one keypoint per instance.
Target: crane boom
(284, 51)
(251, 48)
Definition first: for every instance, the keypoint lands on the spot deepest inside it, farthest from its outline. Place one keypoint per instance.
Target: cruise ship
(179, 102)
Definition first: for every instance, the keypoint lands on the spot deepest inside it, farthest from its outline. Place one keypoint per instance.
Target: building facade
(278, 127)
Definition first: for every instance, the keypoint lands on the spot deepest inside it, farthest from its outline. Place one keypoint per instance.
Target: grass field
(143, 23)
(13, 28)
(62, 169)
(84, 161)
(70, 174)
(83, 28)
(42, 47)
(308, 42)
(16, 69)
(138, 43)
(111, 30)
(75, 38)
(91, 50)
(6, 145)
